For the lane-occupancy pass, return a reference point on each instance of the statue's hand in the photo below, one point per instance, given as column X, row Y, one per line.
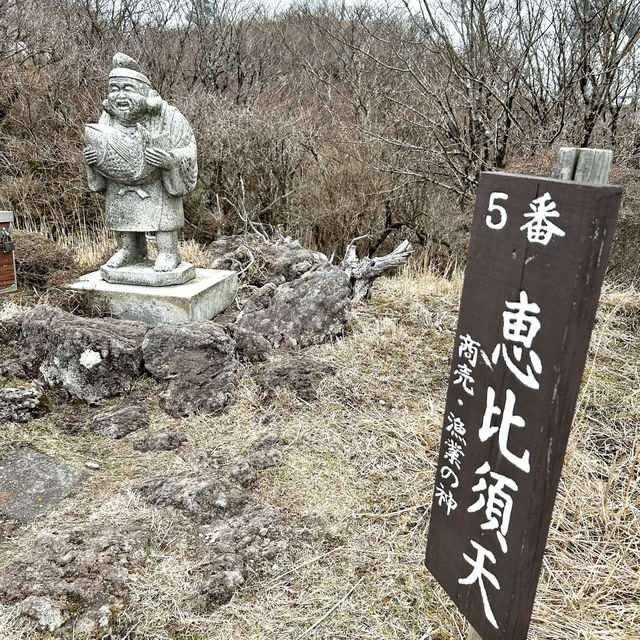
column 159, row 158
column 90, row 155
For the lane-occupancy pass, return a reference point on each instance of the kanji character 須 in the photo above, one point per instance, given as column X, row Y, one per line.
column 497, row 503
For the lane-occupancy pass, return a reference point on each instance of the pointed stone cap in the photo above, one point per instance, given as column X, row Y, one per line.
column 124, row 66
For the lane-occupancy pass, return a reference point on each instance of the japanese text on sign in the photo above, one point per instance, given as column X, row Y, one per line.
column 536, row 262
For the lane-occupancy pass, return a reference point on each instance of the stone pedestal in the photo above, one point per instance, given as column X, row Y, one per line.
column 200, row 299
column 144, row 274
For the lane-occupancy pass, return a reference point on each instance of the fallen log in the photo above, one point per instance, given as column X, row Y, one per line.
column 363, row 271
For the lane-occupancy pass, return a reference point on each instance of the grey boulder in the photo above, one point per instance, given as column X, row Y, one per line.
column 16, row 360
column 92, row 358
column 118, row 423
column 19, row 404
column 302, row 312
column 250, row 347
column 197, row 364
column 294, row 262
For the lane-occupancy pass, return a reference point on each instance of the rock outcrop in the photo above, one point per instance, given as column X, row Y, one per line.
column 161, row 441
column 299, row 374
column 119, row 422
column 239, row 535
column 19, row 404
column 17, row 360
column 302, row 312
column 88, row 566
column 196, row 363
column 92, row 358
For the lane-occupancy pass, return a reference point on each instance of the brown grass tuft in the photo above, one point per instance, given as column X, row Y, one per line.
column 356, row 485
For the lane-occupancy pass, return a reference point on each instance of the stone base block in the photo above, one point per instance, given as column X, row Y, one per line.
column 200, row 299
column 144, row 274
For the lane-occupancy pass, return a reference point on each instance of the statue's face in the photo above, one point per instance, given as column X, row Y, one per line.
column 127, row 99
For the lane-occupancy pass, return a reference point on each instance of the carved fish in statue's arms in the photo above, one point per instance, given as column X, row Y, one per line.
column 120, row 157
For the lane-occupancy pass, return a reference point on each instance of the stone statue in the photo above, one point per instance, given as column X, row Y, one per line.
column 142, row 153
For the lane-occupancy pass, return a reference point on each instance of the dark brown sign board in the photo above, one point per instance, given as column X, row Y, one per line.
column 537, row 258
column 7, row 258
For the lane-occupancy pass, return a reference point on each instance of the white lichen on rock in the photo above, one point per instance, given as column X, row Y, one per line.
column 90, row 358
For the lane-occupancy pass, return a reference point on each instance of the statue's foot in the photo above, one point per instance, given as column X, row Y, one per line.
column 121, row 258
column 166, row 261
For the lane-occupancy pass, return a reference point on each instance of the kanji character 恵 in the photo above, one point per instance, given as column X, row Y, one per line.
column 532, row 368
column 520, row 325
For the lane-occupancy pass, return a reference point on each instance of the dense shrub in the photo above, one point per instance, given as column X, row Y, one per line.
column 42, row 263
column 326, row 121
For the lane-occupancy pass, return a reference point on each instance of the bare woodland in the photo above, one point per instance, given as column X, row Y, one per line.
column 328, row 121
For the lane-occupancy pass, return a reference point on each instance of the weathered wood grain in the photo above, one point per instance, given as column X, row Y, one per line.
column 590, row 166
column 563, row 278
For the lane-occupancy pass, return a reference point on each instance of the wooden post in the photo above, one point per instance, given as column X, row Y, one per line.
column 473, row 634
column 590, row 166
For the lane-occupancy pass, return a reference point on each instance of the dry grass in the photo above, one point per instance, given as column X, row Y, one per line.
column 358, row 471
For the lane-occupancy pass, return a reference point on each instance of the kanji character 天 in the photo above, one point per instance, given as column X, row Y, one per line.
column 478, row 574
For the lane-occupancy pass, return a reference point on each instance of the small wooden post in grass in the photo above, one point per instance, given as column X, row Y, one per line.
column 473, row 635
column 587, row 166
column 536, row 263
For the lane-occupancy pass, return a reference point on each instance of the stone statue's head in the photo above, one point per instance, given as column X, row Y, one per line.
column 131, row 97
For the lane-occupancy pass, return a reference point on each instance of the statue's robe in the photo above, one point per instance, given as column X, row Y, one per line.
column 155, row 202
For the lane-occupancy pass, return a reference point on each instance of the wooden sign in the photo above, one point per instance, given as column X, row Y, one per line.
column 537, row 258
column 7, row 257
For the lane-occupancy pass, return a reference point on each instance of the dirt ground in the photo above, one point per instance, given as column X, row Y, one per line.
column 353, row 489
